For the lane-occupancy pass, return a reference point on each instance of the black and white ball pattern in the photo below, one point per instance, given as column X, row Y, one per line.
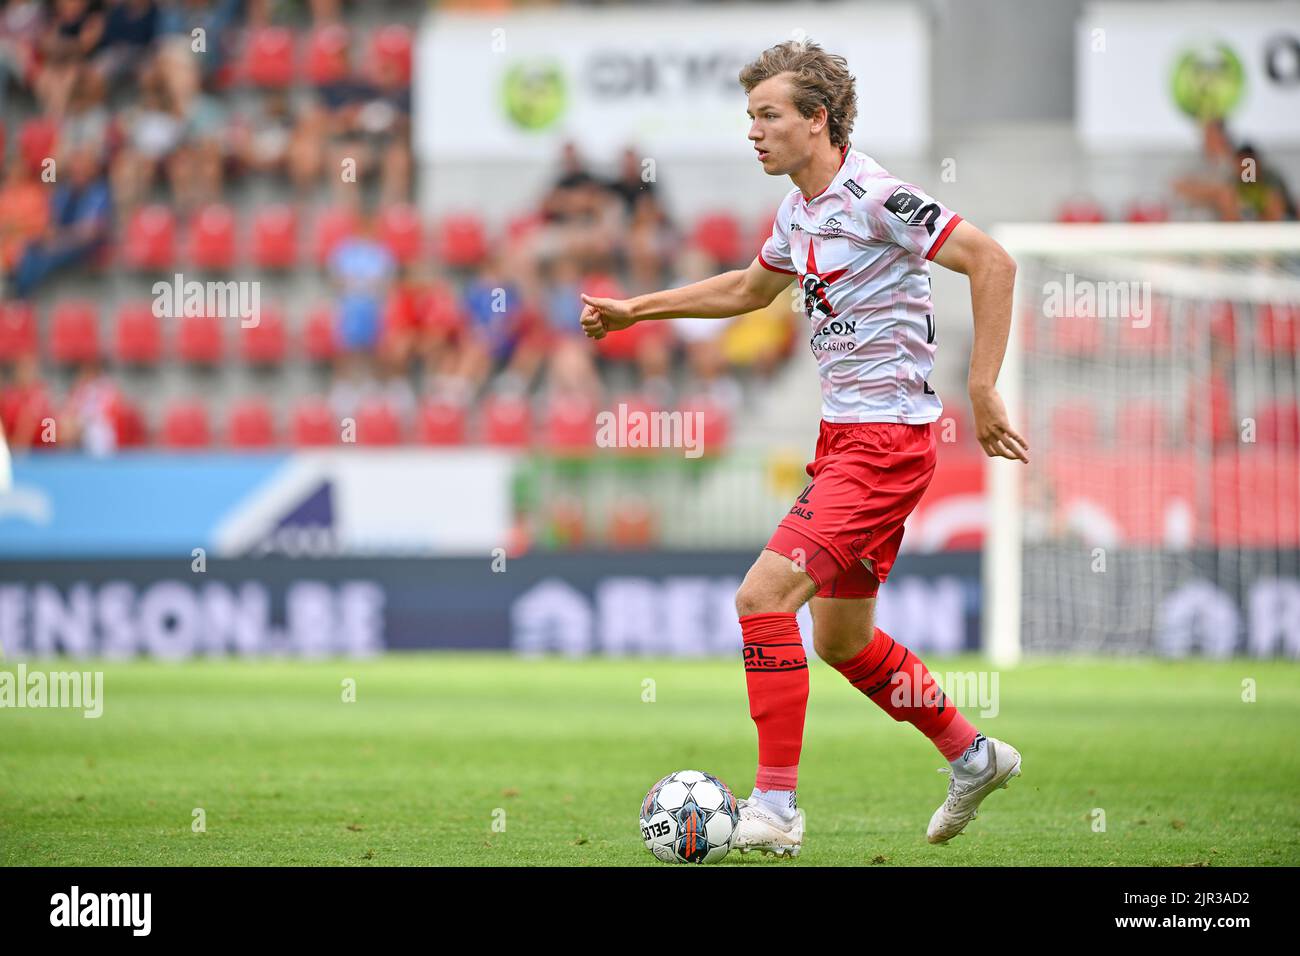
column 689, row 817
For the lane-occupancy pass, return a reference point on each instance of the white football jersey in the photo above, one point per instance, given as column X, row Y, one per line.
column 860, row 250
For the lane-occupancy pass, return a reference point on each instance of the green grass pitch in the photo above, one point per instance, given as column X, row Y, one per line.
column 472, row 759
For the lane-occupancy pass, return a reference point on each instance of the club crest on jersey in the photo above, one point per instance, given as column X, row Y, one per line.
column 816, row 303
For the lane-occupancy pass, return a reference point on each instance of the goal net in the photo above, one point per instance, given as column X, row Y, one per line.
column 1155, row 372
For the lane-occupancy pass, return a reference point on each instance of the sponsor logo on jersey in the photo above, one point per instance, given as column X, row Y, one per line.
column 831, row 228
column 903, row 204
column 854, row 188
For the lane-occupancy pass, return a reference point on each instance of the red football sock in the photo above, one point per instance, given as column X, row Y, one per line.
column 776, row 676
column 898, row 682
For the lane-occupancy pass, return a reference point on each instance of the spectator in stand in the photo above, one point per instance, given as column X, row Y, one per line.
column 571, row 366
column 24, row 212
column 701, row 340
column 582, row 218
column 361, row 269
column 26, row 405
column 1262, row 195
column 263, row 140
column 87, row 123
column 130, row 28
column 501, row 329
column 650, row 244
column 80, row 222
column 177, row 22
column 90, row 415
column 633, row 181
column 1233, row 182
column 71, row 36
column 21, row 27
column 154, row 130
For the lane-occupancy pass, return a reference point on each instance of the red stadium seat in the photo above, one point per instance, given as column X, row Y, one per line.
column 251, row 424
column 74, row 332
column 522, row 225
column 17, row 330
column 570, row 425
column 762, row 232
column 1074, row 426
column 319, row 342
column 212, row 238
column 198, row 340
column 327, row 54
column 150, row 241
column 332, row 226
column 462, row 241
column 185, row 425
column 264, row 343
column 268, row 59
column 1210, row 413
column 1141, row 211
column 38, row 140
column 1150, row 331
column 718, row 234
column 314, row 424
column 392, row 45
column 400, row 231
column 1142, row 424
column 1278, row 423
column 1081, row 211
column 442, row 422
column 129, row 424
column 716, row 423
column 275, row 237
column 137, row 336
column 1278, row 328
column 378, row 424
column 506, row 421
column 1223, row 323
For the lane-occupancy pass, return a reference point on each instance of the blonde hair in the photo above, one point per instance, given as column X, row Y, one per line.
column 817, row 79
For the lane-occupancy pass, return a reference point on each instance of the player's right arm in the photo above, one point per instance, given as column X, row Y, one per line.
column 719, row 297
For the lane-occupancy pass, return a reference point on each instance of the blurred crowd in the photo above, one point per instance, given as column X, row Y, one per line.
column 132, row 103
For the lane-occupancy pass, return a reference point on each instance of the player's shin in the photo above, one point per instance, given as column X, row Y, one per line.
column 899, row 683
column 776, row 676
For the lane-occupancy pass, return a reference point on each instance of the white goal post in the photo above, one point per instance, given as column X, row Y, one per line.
column 1133, row 350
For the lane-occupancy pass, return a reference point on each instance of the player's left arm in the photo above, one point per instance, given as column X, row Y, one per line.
column 992, row 274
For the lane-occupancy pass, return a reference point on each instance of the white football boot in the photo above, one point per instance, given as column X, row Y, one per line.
column 762, row 829
column 965, row 796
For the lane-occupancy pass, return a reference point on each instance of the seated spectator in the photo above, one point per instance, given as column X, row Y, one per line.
column 1263, row 195
column 91, row 413
column 26, row 405
column 500, row 329
column 701, row 339
column 21, row 27
column 87, row 123
column 71, row 36
column 24, row 212
column 130, row 27
column 262, row 139
column 361, row 269
column 176, row 24
column 154, row 130
column 80, row 222
column 632, row 182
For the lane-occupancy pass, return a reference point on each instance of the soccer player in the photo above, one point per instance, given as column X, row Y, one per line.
column 858, row 241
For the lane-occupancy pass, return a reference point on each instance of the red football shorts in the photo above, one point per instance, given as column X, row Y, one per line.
column 846, row 526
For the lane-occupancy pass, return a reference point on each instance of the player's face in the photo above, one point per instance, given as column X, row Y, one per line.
column 780, row 135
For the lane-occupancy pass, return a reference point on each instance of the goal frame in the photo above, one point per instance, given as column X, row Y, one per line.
column 1002, row 567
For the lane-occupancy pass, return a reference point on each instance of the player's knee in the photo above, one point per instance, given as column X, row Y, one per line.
column 751, row 598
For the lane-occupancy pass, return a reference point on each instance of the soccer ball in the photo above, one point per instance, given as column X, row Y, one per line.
column 689, row 817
